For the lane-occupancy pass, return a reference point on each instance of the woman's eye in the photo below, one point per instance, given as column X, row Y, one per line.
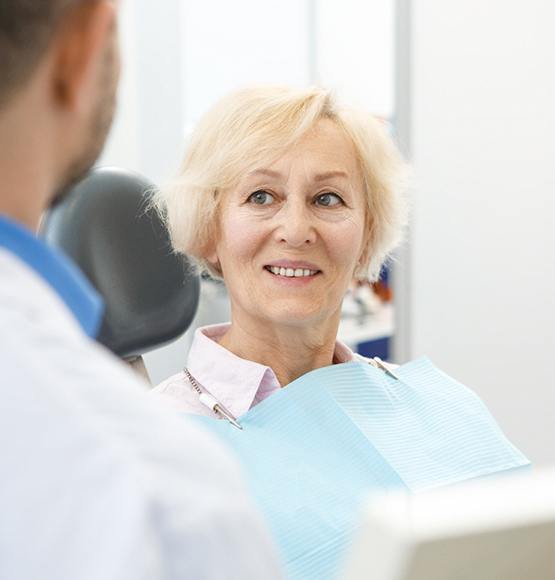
column 261, row 197
column 328, row 199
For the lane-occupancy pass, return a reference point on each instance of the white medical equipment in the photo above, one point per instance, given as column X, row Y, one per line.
column 493, row 529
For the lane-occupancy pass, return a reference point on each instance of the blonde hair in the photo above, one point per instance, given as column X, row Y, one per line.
column 251, row 126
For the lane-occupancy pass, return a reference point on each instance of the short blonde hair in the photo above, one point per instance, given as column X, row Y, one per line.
column 254, row 125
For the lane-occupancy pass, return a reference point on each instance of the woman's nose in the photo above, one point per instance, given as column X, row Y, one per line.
column 296, row 227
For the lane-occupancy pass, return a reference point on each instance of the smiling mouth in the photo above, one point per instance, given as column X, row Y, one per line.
column 291, row 272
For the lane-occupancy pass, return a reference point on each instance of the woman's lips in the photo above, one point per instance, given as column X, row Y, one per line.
column 291, row 272
column 294, row 264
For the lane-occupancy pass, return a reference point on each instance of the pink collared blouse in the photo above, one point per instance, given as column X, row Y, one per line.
column 237, row 383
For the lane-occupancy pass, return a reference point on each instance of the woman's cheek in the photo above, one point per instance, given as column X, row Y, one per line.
column 241, row 234
column 346, row 239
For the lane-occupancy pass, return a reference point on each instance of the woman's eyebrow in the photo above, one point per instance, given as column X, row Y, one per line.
column 263, row 171
column 317, row 177
column 330, row 174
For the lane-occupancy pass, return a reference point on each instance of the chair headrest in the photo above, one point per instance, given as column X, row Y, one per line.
column 105, row 225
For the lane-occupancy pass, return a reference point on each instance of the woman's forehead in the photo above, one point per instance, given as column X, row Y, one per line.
column 323, row 153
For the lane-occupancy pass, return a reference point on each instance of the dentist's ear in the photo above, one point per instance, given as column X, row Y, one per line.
column 79, row 53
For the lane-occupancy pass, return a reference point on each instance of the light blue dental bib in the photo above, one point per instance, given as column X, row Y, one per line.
column 314, row 450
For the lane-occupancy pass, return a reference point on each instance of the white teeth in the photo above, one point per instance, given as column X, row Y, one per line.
column 290, row 272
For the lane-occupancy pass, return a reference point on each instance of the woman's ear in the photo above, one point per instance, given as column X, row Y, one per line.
column 211, row 256
column 209, row 251
column 363, row 259
column 364, row 256
column 213, row 260
column 210, row 247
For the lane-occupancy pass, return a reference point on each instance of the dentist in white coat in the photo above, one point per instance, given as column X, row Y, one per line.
column 95, row 482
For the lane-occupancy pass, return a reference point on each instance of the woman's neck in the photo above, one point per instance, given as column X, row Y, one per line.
column 290, row 351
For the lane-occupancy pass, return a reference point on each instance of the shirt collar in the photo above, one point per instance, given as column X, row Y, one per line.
column 236, row 382
column 58, row 271
column 232, row 380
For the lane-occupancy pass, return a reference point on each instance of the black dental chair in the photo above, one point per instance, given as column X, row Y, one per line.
column 105, row 225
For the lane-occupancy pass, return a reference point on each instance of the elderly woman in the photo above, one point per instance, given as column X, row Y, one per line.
column 287, row 196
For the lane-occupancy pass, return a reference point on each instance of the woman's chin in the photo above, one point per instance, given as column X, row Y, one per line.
column 296, row 313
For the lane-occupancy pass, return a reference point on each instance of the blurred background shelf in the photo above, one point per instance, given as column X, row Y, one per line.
column 370, row 335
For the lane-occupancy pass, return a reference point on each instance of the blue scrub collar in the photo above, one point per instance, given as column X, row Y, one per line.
column 58, row 271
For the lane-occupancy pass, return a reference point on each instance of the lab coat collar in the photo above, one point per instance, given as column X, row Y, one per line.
column 235, row 382
column 57, row 270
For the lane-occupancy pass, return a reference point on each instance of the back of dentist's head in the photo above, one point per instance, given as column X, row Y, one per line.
column 27, row 28
column 60, row 66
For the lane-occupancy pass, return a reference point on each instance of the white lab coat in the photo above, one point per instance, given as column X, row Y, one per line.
column 96, row 481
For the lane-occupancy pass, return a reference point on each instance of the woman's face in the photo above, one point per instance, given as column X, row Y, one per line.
column 293, row 232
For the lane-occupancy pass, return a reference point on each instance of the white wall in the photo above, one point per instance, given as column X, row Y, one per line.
column 147, row 135
column 122, row 146
column 229, row 45
column 354, row 51
column 482, row 134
